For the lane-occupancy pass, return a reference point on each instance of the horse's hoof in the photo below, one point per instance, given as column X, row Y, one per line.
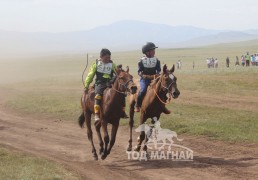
column 137, row 148
column 129, row 148
column 101, row 151
column 103, row 157
column 148, row 156
column 95, row 156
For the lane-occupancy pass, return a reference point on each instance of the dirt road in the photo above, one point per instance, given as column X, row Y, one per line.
column 67, row 144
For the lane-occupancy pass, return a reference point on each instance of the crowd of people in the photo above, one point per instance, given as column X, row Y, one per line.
column 212, row 63
column 247, row 59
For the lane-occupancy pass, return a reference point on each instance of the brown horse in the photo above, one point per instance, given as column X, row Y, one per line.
column 154, row 102
column 110, row 112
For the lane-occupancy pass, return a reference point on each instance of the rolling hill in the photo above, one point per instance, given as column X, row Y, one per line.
column 122, row 35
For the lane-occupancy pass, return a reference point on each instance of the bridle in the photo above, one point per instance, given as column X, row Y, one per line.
column 168, row 86
column 125, row 85
column 166, row 90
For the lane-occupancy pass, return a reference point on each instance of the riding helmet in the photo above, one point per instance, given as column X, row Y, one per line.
column 148, row 46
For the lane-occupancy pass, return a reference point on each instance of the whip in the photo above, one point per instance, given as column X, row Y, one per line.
column 85, row 70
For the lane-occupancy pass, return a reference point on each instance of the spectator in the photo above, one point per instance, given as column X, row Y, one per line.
column 253, row 60
column 193, row 64
column 216, row 63
column 256, row 59
column 227, row 62
column 243, row 60
column 237, row 61
column 247, row 59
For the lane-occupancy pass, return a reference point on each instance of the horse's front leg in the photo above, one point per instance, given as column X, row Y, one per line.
column 147, row 138
column 142, row 135
column 90, row 134
column 131, row 124
column 140, row 140
column 113, row 136
column 106, row 139
column 101, row 143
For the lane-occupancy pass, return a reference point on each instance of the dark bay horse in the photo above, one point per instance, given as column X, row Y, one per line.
column 154, row 102
column 110, row 112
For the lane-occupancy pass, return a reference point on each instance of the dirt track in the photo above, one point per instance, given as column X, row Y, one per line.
column 67, row 144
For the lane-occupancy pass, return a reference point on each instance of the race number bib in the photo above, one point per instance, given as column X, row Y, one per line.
column 149, row 62
column 104, row 68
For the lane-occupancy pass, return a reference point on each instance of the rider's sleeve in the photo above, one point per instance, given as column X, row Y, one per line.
column 114, row 67
column 140, row 67
column 158, row 69
column 90, row 75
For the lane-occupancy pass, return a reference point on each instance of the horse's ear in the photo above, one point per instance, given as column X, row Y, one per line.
column 165, row 68
column 172, row 69
column 127, row 69
column 118, row 71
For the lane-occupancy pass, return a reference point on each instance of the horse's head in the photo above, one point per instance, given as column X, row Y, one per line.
column 168, row 81
column 125, row 81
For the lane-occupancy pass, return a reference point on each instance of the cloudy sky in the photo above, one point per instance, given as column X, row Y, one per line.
column 76, row 15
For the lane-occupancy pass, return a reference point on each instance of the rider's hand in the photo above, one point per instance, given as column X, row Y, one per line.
column 155, row 76
column 147, row 76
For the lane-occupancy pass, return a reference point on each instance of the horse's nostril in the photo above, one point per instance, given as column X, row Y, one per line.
column 174, row 94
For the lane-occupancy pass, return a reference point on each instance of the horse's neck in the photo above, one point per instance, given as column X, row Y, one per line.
column 159, row 94
column 112, row 98
column 115, row 91
column 116, row 86
column 157, row 87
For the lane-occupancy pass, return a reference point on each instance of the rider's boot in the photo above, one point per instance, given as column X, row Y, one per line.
column 97, row 107
column 138, row 103
column 124, row 115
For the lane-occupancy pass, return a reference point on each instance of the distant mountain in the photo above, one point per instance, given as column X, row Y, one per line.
column 223, row 37
column 123, row 35
column 252, row 31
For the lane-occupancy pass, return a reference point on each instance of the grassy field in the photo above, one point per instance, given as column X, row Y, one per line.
column 219, row 103
column 14, row 165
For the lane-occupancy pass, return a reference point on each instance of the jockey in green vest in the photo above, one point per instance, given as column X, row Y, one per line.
column 103, row 68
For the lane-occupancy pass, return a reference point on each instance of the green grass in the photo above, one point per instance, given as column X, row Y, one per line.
column 19, row 166
column 213, row 122
column 58, row 103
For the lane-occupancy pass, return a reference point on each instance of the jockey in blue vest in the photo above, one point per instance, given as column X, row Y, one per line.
column 148, row 69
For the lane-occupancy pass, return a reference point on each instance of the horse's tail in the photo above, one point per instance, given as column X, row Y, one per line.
column 81, row 120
